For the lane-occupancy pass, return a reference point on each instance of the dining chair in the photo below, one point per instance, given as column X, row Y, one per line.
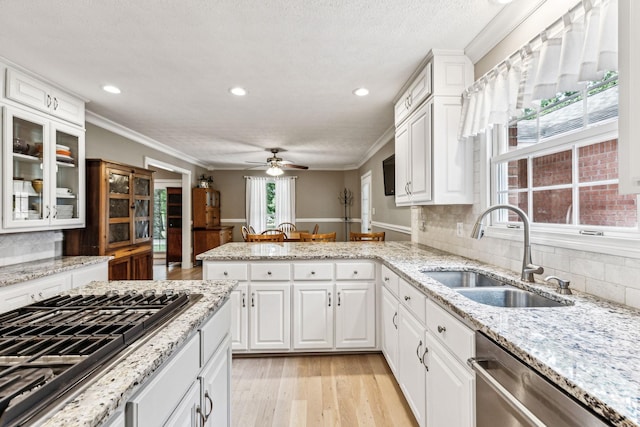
column 286, row 227
column 252, row 230
column 274, row 231
column 265, row 237
column 245, row 233
column 366, row 237
column 315, row 229
column 325, row 237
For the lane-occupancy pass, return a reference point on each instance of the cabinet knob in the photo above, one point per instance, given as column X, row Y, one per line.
column 355, row 272
column 40, row 294
column 268, row 273
column 313, row 273
column 386, row 279
column 441, row 329
column 407, row 298
column 225, row 273
column 33, row 297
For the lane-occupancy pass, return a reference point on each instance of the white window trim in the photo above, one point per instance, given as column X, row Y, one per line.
column 618, row 242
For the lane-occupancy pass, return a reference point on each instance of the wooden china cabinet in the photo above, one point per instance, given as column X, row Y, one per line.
column 119, row 219
column 207, row 231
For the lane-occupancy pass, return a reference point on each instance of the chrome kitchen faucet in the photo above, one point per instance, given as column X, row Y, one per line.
column 528, row 268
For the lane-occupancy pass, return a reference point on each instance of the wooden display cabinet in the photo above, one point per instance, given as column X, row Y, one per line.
column 174, row 224
column 207, row 231
column 119, row 219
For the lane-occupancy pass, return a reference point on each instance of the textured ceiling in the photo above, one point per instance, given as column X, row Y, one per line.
column 300, row 60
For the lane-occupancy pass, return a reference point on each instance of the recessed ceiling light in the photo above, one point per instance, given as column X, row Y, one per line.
column 502, row 1
column 361, row 91
column 238, row 91
column 111, row 89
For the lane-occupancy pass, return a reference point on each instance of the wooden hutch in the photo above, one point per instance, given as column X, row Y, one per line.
column 207, row 231
column 119, row 219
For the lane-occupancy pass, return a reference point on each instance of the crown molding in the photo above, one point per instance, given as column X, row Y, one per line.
column 123, row 131
column 507, row 20
column 380, row 142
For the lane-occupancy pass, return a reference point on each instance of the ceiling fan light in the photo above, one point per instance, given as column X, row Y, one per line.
column 274, row 170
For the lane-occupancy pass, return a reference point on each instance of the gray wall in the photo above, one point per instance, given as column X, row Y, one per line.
column 103, row 144
column 385, row 206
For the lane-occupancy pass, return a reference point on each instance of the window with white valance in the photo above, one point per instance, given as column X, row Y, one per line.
column 270, row 201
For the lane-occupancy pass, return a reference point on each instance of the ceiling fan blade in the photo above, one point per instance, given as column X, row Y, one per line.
column 292, row 166
column 257, row 163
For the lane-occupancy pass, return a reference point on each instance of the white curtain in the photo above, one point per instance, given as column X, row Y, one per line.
column 585, row 48
column 256, row 203
column 285, row 200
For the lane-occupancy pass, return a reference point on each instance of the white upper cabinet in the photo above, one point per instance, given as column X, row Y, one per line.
column 432, row 166
column 33, row 93
column 629, row 125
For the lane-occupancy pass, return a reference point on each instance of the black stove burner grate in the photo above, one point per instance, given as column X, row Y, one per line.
column 49, row 346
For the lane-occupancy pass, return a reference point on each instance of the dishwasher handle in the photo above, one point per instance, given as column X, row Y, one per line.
column 504, row 393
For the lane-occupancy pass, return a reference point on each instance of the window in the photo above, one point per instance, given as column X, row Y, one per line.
column 558, row 162
column 269, row 202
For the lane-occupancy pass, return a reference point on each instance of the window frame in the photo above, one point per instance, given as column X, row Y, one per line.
column 615, row 240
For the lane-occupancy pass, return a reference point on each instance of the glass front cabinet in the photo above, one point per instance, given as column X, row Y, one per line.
column 43, row 172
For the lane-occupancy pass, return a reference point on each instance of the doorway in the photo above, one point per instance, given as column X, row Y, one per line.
column 365, row 203
column 160, row 217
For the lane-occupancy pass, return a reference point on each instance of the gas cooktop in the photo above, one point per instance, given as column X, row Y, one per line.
column 51, row 346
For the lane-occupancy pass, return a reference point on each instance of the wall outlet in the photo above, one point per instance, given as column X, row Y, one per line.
column 459, row 228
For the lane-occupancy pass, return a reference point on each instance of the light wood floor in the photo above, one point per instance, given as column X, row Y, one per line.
column 331, row 390
column 308, row 391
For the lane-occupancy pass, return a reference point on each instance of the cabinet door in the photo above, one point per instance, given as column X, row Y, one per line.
column 313, row 315
column 450, row 388
column 355, row 315
column 270, row 316
column 142, row 265
column 68, row 175
column 119, row 208
column 421, row 87
column 120, row 269
column 401, row 108
column 186, row 414
column 412, row 377
column 28, row 91
column 215, row 381
column 26, row 170
column 389, row 312
column 402, row 165
column 142, row 198
column 420, row 154
column 240, row 317
column 67, row 107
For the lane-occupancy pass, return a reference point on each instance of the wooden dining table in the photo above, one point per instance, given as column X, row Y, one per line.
column 294, row 236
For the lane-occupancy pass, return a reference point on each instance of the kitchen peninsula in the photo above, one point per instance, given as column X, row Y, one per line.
column 587, row 347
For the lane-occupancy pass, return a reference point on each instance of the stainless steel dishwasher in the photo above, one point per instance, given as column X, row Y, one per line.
column 511, row 394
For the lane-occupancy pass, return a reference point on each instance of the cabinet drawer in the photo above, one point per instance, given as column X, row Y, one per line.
column 270, row 271
column 219, row 271
column 355, row 271
column 313, row 271
column 213, row 332
column 413, row 299
column 455, row 336
column 390, row 280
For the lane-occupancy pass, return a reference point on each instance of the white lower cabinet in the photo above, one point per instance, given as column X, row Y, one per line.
column 355, row 315
column 389, row 322
column 450, row 388
column 240, row 317
column 186, row 414
column 411, row 371
column 215, row 381
column 270, row 316
column 313, row 306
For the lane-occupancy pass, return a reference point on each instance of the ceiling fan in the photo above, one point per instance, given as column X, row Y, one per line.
column 276, row 164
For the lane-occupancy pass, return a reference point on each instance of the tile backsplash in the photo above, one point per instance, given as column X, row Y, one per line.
column 23, row 247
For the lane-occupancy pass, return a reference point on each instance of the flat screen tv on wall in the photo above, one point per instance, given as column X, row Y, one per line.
column 389, row 175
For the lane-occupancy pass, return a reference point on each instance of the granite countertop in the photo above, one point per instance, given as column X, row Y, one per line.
column 589, row 348
column 16, row 273
column 112, row 388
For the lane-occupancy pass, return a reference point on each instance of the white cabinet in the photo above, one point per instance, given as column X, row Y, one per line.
column 432, row 166
column 41, row 96
column 419, row 90
column 355, row 315
column 628, row 123
column 313, row 306
column 389, row 322
column 450, row 388
column 186, row 414
column 270, row 316
column 215, row 387
column 43, row 173
column 411, row 349
column 240, row 317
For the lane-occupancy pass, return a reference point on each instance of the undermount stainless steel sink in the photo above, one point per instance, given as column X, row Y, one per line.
column 508, row 296
column 464, row 279
column 484, row 289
